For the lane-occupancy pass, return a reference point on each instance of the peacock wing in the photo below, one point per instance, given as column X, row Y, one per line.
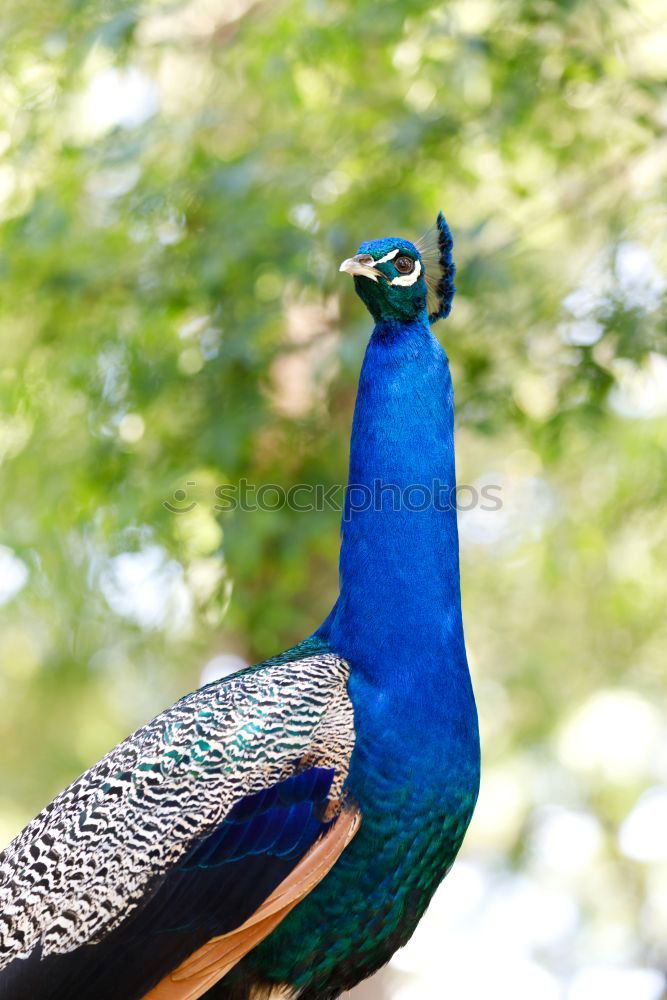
column 178, row 835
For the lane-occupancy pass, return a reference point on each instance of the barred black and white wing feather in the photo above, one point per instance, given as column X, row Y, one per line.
column 177, row 835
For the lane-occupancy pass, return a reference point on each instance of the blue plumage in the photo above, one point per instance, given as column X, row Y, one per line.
column 415, row 768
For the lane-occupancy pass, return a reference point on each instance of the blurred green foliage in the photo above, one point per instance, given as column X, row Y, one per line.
column 178, row 183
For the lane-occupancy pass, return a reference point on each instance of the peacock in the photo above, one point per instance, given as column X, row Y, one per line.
column 281, row 831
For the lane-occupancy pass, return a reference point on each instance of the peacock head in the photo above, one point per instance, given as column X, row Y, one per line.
column 397, row 280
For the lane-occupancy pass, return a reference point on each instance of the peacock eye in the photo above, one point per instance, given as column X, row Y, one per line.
column 404, row 264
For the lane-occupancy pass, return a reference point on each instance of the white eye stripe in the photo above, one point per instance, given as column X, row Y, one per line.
column 388, row 256
column 408, row 279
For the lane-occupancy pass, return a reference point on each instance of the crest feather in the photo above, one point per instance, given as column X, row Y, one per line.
column 435, row 248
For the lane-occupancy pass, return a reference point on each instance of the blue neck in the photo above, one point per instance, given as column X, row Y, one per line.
column 398, row 616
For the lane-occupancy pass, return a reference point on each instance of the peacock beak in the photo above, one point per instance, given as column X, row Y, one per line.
column 362, row 264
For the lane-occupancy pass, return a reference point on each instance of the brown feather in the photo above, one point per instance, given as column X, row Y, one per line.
column 213, row 960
